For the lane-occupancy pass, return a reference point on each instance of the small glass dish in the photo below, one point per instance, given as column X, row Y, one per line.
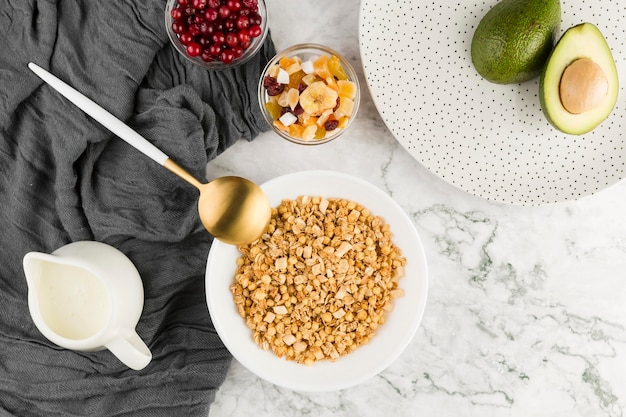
column 306, row 65
column 217, row 63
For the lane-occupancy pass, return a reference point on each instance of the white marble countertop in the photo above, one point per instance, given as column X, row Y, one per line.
column 526, row 312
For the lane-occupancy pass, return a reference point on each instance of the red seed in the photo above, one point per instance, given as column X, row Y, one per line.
column 217, row 29
column 227, row 56
column 176, row 13
column 194, row 49
column 255, row 31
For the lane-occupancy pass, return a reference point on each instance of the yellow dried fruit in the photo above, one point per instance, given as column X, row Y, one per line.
column 336, row 69
column 317, row 98
column 346, row 89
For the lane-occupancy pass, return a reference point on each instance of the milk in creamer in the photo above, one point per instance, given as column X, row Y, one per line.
column 73, row 302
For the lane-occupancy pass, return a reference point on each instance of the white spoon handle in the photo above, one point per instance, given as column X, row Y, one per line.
column 101, row 115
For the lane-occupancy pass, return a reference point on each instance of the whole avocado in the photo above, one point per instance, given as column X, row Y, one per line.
column 514, row 39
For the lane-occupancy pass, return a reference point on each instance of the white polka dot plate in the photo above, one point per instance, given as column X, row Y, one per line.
column 487, row 139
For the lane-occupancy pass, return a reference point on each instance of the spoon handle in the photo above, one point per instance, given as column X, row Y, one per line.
column 101, row 115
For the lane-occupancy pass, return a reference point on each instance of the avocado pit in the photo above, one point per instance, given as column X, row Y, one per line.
column 583, row 86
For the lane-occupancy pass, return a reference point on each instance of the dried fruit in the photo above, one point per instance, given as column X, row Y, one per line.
column 331, row 124
column 314, row 89
column 318, row 98
column 272, row 86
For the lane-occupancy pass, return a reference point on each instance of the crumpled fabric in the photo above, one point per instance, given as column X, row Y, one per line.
column 65, row 178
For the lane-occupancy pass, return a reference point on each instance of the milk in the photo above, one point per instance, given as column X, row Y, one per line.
column 74, row 303
column 88, row 296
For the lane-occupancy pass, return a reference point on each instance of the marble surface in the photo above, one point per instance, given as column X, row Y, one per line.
column 526, row 312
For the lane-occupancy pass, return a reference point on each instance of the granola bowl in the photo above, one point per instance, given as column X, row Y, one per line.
column 368, row 359
column 309, row 94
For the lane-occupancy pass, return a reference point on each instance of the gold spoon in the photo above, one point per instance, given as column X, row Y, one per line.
column 233, row 209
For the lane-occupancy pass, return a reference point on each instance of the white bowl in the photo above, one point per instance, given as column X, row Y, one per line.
column 366, row 361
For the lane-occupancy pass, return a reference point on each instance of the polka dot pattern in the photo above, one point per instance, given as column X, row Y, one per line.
column 487, row 139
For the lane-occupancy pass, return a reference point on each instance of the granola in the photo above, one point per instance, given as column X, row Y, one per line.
column 318, row 283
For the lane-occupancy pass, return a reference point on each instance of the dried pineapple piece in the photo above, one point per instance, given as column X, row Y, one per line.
column 292, row 96
column 322, row 68
column 345, row 108
column 347, row 89
column 334, row 65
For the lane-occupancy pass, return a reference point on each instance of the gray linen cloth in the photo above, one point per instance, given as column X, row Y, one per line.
column 65, row 178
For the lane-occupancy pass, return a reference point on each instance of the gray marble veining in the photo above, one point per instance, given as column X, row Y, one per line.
column 526, row 312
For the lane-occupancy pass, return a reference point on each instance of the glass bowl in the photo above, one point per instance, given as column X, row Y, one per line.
column 306, row 65
column 216, row 63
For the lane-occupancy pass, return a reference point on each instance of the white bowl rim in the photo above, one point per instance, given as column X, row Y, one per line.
column 368, row 360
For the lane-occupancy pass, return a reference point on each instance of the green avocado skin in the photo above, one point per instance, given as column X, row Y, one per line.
column 514, row 39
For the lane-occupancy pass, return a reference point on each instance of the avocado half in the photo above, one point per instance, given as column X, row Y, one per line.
column 582, row 43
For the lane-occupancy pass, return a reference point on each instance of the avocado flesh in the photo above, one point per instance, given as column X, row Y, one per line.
column 580, row 41
column 514, row 39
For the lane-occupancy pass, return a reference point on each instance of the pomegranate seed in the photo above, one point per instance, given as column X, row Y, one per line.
column 227, row 56
column 231, row 39
column 237, row 51
column 199, row 4
column 255, row 31
column 255, row 19
column 211, row 14
column 194, row 29
column 215, row 50
column 206, row 56
column 185, row 38
column 218, row 29
column 194, row 49
column 229, row 25
column 242, row 22
column 176, row 13
column 224, row 12
column 219, row 38
column 205, row 28
column 233, row 5
column 243, row 36
column 179, row 27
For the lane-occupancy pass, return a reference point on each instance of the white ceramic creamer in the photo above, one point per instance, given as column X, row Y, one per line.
column 88, row 296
